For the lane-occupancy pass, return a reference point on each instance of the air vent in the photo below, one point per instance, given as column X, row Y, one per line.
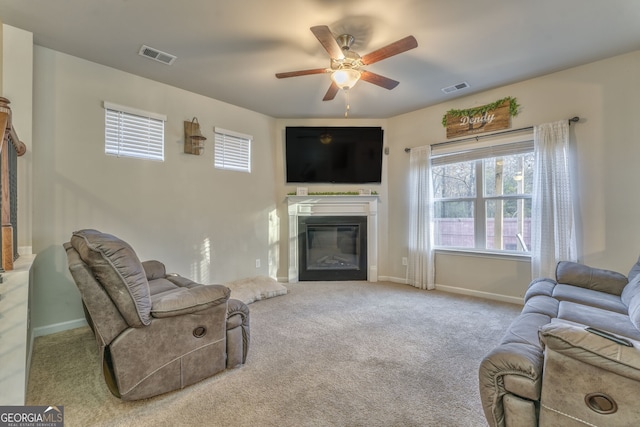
column 156, row 55
column 454, row 88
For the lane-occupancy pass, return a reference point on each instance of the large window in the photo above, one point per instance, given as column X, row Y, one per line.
column 130, row 132
column 482, row 198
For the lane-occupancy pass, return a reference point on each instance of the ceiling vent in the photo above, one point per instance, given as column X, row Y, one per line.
column 454, row 88
column 156, row 55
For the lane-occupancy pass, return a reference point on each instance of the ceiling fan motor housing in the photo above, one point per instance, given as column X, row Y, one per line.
column 345, row 41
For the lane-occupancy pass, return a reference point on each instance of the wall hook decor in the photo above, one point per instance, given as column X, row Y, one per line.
column 193, row 138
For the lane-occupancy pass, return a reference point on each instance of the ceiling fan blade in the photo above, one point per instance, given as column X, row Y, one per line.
column 325, row 37
column 331, row 93
column 301, row 73
column 379, row 80
column 394, row 48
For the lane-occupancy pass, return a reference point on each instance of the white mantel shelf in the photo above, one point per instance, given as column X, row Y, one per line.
column 334, row 205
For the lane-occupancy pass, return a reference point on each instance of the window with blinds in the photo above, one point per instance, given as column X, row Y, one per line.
column 232, row 150
column 130, row 132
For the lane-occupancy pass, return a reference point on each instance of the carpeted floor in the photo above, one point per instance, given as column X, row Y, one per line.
column 325, row 354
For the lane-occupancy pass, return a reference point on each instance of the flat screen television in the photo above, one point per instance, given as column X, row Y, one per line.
column 338, row 155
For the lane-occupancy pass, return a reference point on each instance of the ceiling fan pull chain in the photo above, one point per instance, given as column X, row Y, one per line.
column 347, row 106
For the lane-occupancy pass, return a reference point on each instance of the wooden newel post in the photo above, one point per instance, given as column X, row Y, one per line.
column 9, row 136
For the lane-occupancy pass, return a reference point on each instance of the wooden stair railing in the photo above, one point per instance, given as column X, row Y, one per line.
column 10, row 148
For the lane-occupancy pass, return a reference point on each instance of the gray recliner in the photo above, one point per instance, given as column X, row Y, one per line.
column 156, row 332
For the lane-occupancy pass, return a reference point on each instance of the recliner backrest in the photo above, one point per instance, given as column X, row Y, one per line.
column 104, row 317
column 117, row 268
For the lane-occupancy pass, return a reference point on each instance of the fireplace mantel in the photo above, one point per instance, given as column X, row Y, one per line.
column 334, row 206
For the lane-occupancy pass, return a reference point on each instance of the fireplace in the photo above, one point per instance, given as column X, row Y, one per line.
column 332, row 247
column 336, row 236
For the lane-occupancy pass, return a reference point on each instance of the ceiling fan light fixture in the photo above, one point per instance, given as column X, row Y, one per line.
column 345, row 78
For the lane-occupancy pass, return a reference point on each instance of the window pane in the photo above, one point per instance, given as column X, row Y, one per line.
column 508, row 175
column 454, row 180
column 509, row 224
column 454, row 224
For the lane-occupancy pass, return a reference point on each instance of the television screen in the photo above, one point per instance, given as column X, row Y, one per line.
column 340, row 155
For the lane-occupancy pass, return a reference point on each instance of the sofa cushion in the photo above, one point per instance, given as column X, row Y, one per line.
column 590, row 297
column 117, row 267
column 635, row 270
column 634, row 305
column 159, row 286
column 573, row 273
column 631, row 290
column 188, row 300
column 598, row 318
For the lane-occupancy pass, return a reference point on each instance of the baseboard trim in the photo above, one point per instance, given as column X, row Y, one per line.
column 392, row 279
column 58, row 327
column 450, row 289
column 480, row 294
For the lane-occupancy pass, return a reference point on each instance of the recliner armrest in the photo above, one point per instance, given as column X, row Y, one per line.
column 183, row 282
column 154, row 269
column 575, row 342
column 189, row 300
column 597, row 279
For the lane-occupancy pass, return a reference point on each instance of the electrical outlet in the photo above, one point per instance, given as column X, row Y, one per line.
column 257, row 262
column 405, row 261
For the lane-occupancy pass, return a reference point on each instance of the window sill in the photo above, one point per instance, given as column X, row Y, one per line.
column 516, row 256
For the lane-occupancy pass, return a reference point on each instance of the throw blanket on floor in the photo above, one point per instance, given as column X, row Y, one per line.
column 255, row 289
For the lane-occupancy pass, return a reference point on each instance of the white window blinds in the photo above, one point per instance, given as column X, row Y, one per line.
column 232, row 150
column 483, row 153
column 133, row 133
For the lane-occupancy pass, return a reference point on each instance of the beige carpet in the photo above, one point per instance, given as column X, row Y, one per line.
column 325, row 354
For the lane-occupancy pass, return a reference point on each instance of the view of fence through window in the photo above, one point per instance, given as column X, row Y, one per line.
column 484, row 203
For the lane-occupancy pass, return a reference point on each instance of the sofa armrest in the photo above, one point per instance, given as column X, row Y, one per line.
column 597, row 279
column 576, row 342
column 238, row 334
column 509, row 369
column 186, row 300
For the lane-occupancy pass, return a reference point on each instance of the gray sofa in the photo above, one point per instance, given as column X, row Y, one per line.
column 156, row 332
column 572, row 357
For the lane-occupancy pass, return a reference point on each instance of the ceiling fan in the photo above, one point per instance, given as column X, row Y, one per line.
column 346, row 65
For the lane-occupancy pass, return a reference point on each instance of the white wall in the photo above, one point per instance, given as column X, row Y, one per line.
column 204, row 223
column 606, row 145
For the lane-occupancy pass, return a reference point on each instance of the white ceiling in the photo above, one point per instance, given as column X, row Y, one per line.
column 231, row 50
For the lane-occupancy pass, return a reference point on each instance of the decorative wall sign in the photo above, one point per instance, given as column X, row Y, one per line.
column 487, row 118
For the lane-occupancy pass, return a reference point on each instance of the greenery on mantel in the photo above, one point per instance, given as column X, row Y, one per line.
column 336, row 193
column 478, row 111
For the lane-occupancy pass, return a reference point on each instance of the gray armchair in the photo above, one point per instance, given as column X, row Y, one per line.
column 156, row 332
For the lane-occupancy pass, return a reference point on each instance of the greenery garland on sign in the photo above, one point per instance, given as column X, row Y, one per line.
column 478, row 111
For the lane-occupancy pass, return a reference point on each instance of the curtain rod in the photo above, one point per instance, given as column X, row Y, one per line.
column 575, row 119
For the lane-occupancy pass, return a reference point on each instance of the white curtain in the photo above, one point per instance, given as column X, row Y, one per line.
column 421, row 272
column 553, row 236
